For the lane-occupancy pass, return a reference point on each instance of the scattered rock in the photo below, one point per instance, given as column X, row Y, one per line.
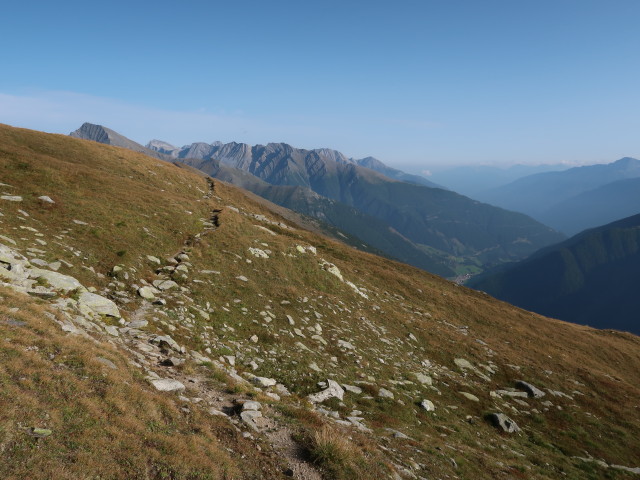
column 46, row 199
column 172, row 362
column 137, row 324
column 164, row 284
column 165, row 341
column 332, row 269
column 154, row 260
column 500, row 420
column 111, row 330
column 352, row 389
column 333, row 390
column 384, row 393
column 106, row 362
column 423, row 379
column 530, row 389
column 168, row 385
column 148, row 293
column 463, row 364
column 251, row 405
column 427, row 405
column 56, row 280
column 258, row 253
column 98, row 304
column 263, row 382
column 470, row 396
column 11, row 198
column 249, row 417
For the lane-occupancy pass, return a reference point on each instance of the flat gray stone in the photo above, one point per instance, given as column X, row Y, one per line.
column 464, row 364
column 137, row 324
column 470, row 396
column 111, row 330
column 57, row 281
column 98, row 304
column 11, row 198
column 530, row 389
column 352, row 389
column 168, row 385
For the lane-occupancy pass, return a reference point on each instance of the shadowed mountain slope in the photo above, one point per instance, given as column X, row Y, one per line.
column 538, row 195
column 590, row 279
column 611, row 202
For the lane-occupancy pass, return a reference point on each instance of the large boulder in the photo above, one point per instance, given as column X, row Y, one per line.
column 500, row 420
column 333, row 390
column 98, row 304
column 56, row 281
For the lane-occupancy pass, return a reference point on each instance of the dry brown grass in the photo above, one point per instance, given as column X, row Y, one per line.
column 106, row 423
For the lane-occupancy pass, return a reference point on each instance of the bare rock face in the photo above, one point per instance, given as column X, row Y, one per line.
column 333, row 390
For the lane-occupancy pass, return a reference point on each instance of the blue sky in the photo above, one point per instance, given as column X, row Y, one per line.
column 413, row 83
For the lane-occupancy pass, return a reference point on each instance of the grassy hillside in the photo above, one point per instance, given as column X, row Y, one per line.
column 589, row 279
column 261, row 310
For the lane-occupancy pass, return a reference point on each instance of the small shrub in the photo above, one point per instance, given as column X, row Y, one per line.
column 331, row 450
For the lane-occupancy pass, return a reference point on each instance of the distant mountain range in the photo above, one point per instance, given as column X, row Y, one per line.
column 432, row 228
column 574, row 199
column 238, row 154
column 591, row 278
column 472, row 180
